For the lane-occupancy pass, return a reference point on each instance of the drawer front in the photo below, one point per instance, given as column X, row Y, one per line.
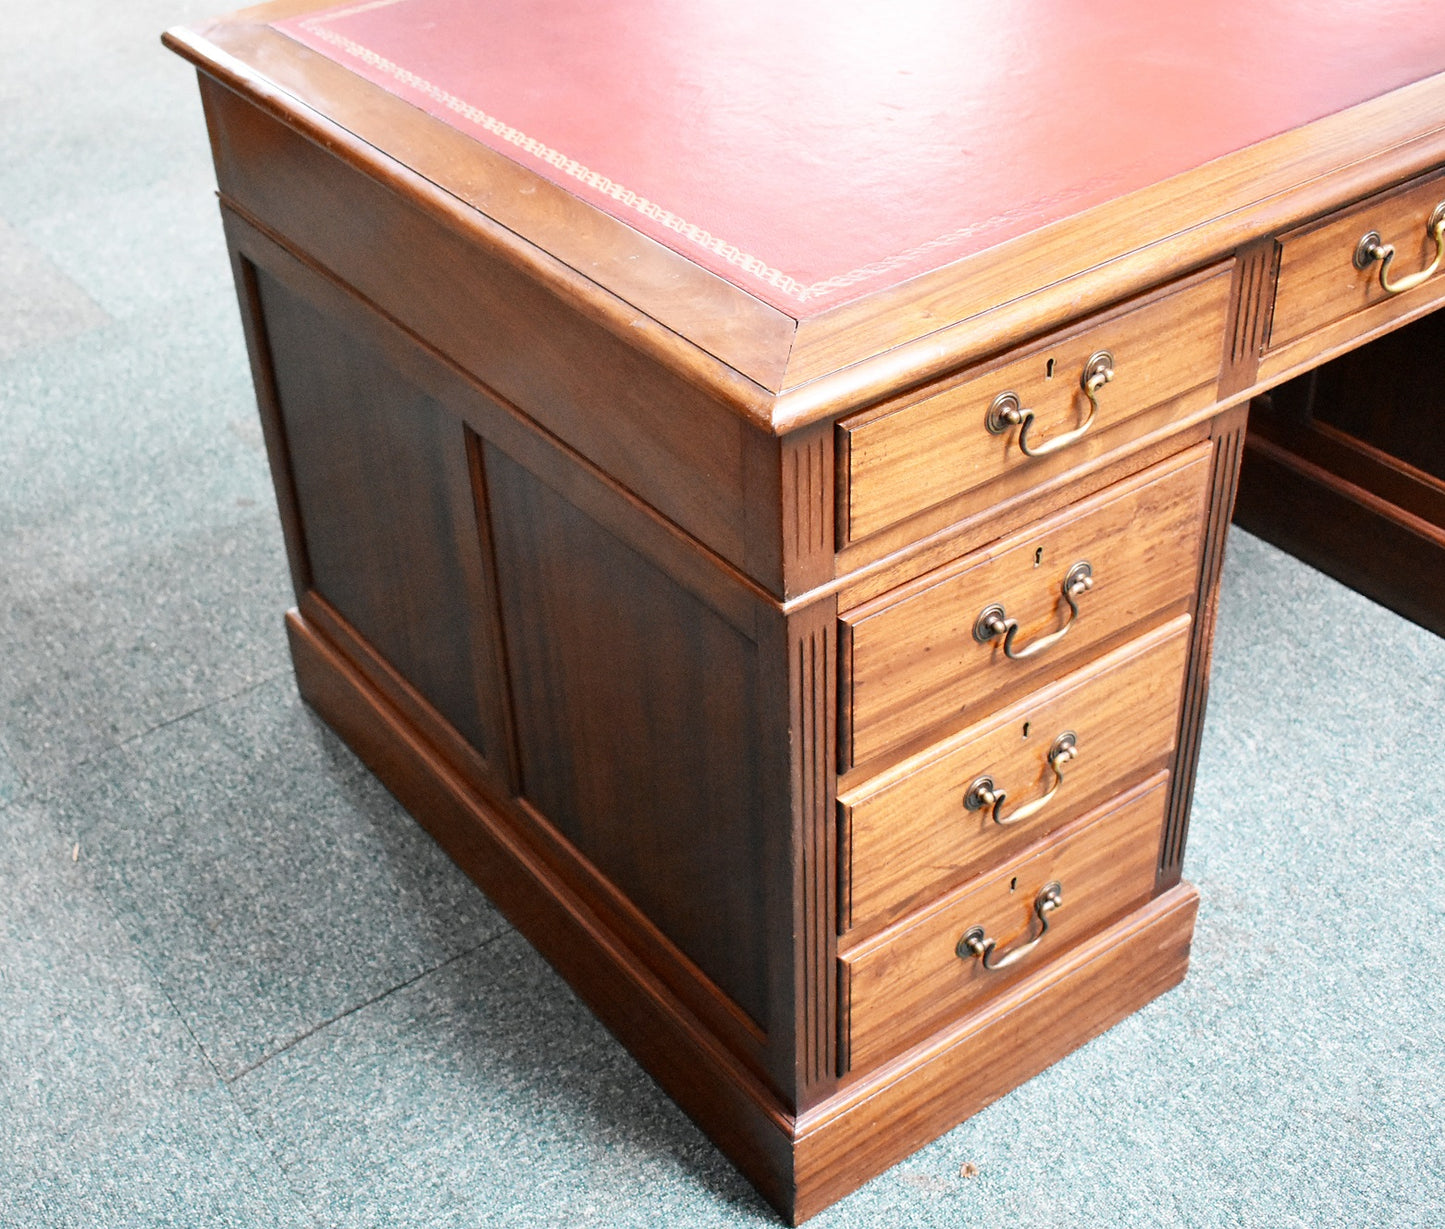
column 902, row 462
column 1320, row 282
column 912, row 981
column 925, row 827
column 913, row 659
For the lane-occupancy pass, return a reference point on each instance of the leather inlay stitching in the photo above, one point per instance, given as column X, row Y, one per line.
column 598, row 182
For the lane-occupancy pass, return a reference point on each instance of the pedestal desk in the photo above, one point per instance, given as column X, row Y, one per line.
column 755, row 480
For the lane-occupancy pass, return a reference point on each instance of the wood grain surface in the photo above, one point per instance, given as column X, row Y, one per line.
column 1227, row 433
column 909, row 980
column 907, row 835
column 636, row 709
column 916, row 456
column 912, row 661
column 880, row 1119
column 652, row 430
column 901, row 553
column 572, row 518
column 384, row 495
column 1318, row 280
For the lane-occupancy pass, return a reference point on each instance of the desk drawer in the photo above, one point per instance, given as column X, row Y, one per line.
column 1321, row 283
column 912, row 980
column 904, row 461
column 913, row 660
column 916, row 831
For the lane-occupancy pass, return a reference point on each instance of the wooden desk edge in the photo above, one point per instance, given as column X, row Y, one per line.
column 782, row 374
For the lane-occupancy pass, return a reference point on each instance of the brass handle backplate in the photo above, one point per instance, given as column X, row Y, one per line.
column 976, row 943
column 1371, row 249
column 1007, row 410
column 983, row 793
column 993, row 620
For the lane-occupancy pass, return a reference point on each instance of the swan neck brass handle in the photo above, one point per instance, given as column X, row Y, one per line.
column 1007, row 410
column 1371, row 249
column 982, row 793
column 976, row 943
column 993, row 620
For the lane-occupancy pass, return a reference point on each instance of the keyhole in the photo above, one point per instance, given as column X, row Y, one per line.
column 1049, row 370
column 1038, row 556
column 1013, row 884
column 1026, row 728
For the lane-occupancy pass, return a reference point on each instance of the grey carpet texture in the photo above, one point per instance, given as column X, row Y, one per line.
column 240, row 987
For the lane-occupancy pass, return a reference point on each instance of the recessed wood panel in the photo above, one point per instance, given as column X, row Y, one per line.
column 384, row 494
column 909, row 834
column 914, row 660
column 911, row 980
column 637, row 727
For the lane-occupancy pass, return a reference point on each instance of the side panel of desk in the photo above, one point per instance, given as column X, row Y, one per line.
column 614, row 691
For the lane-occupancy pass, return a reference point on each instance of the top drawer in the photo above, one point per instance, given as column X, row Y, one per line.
column 909, row 459
column 1323, row 280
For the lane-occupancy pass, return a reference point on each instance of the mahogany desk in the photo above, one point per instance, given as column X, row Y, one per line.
column 755, row 479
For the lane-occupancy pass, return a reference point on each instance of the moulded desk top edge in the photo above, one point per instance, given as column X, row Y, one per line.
column 777, row 372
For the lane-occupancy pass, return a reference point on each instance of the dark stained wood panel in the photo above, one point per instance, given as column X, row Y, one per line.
column 1389, row 395
column 637, row 720
column 384, row 494
column 1345, row 468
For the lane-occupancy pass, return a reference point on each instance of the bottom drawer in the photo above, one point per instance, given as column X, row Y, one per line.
column 917, row 976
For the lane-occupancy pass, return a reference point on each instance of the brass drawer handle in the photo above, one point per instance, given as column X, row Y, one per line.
column 1370, row 249
column 975, row 941
column 982, row 792
column 994, row 621
column 1007, row 411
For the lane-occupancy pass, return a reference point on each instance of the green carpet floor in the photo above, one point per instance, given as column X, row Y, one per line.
column 239, row 987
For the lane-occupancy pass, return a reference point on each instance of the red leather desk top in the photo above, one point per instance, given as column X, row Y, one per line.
column 816, row 151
